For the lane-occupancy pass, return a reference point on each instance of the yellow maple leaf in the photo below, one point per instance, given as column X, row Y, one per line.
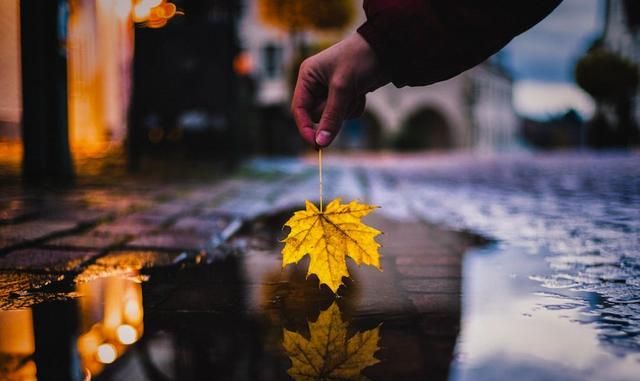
column 329, row 236
column 329, row 355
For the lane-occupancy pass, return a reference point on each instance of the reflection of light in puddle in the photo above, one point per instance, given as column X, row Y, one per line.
column 133, row 311
column 127, row 334
column 510, row 326
column 106, row 353
column 16, row 345
column 110, row 319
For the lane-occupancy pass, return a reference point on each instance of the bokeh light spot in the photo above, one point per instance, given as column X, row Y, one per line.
column 126, row 334
column 106, row 353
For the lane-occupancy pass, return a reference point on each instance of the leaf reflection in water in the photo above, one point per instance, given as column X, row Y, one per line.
column 329, row 354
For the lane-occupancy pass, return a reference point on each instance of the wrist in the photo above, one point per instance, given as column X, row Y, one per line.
column 373, row 69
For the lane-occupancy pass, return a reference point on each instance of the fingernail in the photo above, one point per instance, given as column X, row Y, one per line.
column 323, row 138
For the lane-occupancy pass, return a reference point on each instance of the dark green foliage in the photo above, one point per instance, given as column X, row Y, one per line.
column 606, row 76
column 612, row 81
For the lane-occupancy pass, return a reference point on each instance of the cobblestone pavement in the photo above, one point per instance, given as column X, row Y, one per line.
column 210, row 255
column 59, row 235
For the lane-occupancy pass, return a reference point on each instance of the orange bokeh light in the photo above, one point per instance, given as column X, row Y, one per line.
column 243, row 64
column 141, row 12
column 154, row 13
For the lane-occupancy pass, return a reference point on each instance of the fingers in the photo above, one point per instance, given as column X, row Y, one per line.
column 302, row 106
column 311, row 105
column 335, row 112
column 355, row 109
column 316, row 114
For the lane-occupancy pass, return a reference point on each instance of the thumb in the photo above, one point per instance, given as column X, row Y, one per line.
column 335, row 112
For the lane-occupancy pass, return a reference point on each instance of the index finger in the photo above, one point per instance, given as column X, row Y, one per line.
column 301, row 107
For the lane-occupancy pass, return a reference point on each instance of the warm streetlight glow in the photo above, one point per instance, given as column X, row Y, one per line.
column 17, row 345
column 243, row 64
column 151, row 3
column 169, row 10
column 112, row 316
column 133, row 311
column 90, row 341
column 122, row 8
column 126, row 334
column 141, row 12
column 106, row 353
column 154, row 13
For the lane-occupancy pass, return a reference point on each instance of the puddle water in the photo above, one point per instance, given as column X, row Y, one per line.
column 240, row 317
column 515, row 327
column 72, row 339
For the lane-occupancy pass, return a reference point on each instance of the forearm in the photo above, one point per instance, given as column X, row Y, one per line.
column 420, row 42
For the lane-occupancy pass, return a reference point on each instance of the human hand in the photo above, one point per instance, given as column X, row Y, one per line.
column 331, row 87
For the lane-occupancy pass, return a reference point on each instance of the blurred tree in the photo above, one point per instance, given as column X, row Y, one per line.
column 612, row 81
column 297, row 15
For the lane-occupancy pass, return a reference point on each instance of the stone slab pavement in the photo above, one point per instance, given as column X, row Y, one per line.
column 212, row 255
column 90, row 232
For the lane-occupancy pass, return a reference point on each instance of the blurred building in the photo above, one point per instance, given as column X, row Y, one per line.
column 187, row 93
column 622, row 34
column 10, row 89
column 473, row 110
column 270, row 52
column 183, row 92
column 270, row 55
column 560, row 131
column 99, row 51
column 99, row 43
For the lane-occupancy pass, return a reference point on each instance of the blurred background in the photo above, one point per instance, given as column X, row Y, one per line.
column 511, row 193
column 88, row 86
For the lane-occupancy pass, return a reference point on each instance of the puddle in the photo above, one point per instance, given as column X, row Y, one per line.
column 190, row 324
column 514, row 326
column 236, row 317
column 75, row 338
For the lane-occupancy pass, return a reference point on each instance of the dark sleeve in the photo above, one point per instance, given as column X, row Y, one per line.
column 420, row 42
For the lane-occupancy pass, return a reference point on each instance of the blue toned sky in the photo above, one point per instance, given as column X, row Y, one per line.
column 542, row 59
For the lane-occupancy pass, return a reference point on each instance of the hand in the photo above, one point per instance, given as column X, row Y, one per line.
column 331, row 87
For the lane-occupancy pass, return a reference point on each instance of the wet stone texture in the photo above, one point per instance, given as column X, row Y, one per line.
column 45, row 260
column 216, row 301
column 15, row 291
column 89, row 233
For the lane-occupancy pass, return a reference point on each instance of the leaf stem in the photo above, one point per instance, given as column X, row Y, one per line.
column 320, row 173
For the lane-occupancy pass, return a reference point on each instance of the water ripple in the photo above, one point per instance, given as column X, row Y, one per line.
column 580, row 211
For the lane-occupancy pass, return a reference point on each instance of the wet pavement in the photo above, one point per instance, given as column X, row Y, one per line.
column 184, row 282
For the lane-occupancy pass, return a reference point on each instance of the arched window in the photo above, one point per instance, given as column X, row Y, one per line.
column 425, row 129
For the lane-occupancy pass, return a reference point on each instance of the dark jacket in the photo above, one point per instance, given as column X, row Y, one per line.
column 420, row 42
